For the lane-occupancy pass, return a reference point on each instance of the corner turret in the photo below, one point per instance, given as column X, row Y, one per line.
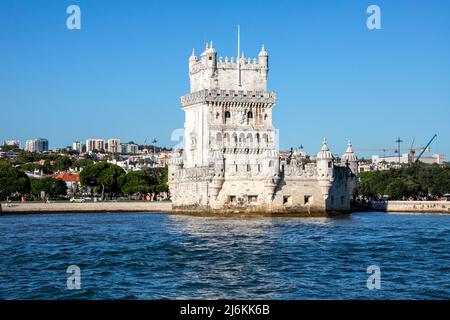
column 349, row 159
column 209, row 56
column 192, row 60
column 263, row 61
column 324, row 162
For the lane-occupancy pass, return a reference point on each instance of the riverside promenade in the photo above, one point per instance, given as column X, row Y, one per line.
column 107, row 206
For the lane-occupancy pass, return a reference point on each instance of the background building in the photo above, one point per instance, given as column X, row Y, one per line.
column 76, row 146
column 114, row 146
column 37, row 145
column 12, row 143
column 129, row 148
column 95, row 145
column 435, row 158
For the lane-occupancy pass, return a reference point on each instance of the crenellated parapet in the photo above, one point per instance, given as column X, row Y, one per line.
column 229, row 64
column 210, row 72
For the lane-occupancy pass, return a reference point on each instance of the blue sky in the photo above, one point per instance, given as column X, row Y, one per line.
column 121, row 75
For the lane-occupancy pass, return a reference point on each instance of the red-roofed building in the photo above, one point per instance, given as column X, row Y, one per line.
column 72, row 181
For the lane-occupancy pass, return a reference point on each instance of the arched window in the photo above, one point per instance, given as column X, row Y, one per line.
column 265, row 139
column 249, row 140
column 241, row 138
column 249, row 168
column 270, row 164
column 234, row 139
column 257, row 138
column 226, row 139
column 227, row 116
column 219, row 139
column 249, row 117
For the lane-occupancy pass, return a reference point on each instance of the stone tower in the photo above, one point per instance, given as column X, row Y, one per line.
column 230, row 161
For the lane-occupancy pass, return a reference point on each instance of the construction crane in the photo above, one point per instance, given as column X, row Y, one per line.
column 412, row 151
column 426, row 147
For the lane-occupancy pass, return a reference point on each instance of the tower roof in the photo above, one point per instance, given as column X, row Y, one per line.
column 324, row 153
column 349, row 155
column 263, row 52
column 209, row 49
column 193, row 56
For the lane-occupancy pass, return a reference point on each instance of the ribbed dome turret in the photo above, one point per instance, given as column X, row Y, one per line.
column 349, row 155
column 263, row 52
column 325, row 153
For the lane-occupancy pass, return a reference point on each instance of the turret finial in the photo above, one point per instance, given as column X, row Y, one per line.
column 263, row 52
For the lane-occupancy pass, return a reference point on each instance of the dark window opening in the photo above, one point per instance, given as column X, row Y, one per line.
column 307, row 199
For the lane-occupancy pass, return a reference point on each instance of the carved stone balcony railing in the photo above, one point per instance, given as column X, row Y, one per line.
column 206, row 95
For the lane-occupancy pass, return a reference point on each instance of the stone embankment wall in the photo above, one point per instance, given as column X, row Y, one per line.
column 418, row 206
column 86, row 207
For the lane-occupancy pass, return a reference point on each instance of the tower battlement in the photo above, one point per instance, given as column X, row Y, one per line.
column 208, row 72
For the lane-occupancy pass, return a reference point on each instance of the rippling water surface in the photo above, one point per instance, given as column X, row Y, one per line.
column 161, row 256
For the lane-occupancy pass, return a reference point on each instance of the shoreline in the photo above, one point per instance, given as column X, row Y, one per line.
column 405, row 207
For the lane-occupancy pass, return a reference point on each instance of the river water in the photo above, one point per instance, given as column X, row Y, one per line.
column 162, row 256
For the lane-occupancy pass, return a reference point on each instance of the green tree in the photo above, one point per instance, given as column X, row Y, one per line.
column 134, row 182
column 51, row 186
column 26, row 157
column 417, row 179
column 62, row 164
column 149, row 180
column 12, row 180
column 103, row 177
column 396, row 189
column 31, row 167
column 81, row 163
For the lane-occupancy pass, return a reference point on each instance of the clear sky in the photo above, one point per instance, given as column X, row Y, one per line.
column 122, row 74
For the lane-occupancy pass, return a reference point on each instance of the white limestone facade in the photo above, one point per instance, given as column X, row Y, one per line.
column 230, row 162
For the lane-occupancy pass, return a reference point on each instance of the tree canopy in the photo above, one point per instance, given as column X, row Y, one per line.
column 103, row 177
column 12, row 180
column 51, row 186
column 149, row 180
column 414, row 180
